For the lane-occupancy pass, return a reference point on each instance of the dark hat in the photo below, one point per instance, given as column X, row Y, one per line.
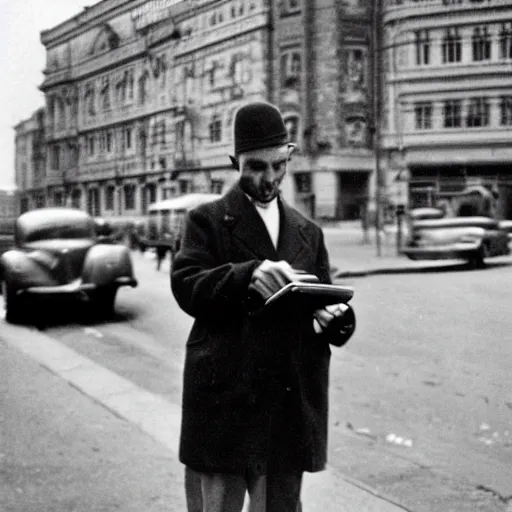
column 258, row 125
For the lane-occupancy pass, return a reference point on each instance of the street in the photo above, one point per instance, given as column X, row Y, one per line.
column 421, row 400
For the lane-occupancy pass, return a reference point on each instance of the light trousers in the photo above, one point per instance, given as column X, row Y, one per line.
column 220, row 492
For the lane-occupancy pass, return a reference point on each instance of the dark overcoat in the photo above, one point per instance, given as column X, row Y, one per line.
column 255, row 390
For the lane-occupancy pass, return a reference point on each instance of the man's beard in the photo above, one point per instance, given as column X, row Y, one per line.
column 263, row 194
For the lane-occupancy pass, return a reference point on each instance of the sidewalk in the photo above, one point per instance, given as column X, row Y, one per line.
column 79, row 437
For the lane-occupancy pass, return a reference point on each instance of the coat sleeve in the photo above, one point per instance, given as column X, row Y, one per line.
column 202, row 282
column 324, row 273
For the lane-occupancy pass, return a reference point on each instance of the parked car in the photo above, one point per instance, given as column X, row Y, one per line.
column 57, row 254
column 472, row 234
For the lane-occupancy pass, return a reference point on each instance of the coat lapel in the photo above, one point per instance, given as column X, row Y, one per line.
column 292, row 237
column 247, row 226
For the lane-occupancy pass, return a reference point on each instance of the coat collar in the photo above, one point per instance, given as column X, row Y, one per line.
column 248, row 227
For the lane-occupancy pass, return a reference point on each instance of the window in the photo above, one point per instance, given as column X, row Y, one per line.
column 184, row 186
column 58, row 199
column 291, row 66
column 452, row 114
column 303, row 182
column 423, row 115
column 110, row 192
column 180, row 134
column 292, row 127
column 506, row 41
column 105, row 93
column 452, row 46
column 55, row 157
column 128, row 137
column 90, row 144
column 216, row 186
column 215, row 128
column 481, row 42
column 422, row 47
column 129, row 197
column 102, row 141
column 506, row 110
column 109, row 141
column 162, row 132
column 478, row 112
column 154, row 134
column 93, row 202
column 76, row 198
column 130, row 84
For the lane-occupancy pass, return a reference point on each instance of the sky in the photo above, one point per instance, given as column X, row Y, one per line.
column 22, row 60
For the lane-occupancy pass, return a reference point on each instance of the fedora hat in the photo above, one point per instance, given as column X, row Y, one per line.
column 258, row 125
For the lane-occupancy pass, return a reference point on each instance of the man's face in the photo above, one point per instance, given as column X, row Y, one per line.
column 262, row 171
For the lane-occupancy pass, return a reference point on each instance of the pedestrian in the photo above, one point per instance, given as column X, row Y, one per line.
column 255, row 386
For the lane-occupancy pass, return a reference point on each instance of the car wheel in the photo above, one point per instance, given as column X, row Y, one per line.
column 102, row 302
column 478, row 260
column 12, row 304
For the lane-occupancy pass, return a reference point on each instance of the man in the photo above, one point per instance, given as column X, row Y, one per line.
column 255, row 381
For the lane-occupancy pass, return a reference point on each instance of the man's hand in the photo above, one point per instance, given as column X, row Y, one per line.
column 271, row 276
column 322, row 318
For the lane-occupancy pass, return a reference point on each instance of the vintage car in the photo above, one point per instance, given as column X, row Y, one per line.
column 470, row 234
column 56, row 254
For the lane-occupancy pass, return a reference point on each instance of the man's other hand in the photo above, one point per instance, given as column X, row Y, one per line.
column 322, row 318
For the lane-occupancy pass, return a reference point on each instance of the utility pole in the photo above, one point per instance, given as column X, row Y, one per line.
column 376, row 59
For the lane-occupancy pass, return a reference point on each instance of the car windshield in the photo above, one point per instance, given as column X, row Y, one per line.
column 75, row 231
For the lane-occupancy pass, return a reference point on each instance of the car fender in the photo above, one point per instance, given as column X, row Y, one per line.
column 22, row 271
column 105, row 263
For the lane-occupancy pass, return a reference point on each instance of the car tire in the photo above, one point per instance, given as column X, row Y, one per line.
column 478, row 259
column 103, row 302
column 12, row 304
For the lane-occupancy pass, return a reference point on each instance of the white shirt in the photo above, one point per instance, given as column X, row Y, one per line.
column 270, row 216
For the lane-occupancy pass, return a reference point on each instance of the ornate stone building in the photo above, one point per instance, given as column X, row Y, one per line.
column 321, row 84
column 140, row 97
column 448, row 99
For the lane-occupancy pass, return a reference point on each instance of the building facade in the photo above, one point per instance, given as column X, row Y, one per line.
column 140, row 97
column 30, row 161
column 321, row 83
column 447, row 98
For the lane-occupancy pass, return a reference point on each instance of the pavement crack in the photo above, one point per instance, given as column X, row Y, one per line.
column 496, row 494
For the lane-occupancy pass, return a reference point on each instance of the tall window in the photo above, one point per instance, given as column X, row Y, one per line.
column 129, row 196
column 109, row 141
column 291, row 65
column 506, row 111
column 478, row 112
column 55, row 157
column 76, row 198
column 452, row 45
column 506, row 41
column 110, row 192
column 452, row 113
column 162, row 132
column 481, row 42
column 180, row 135
column 90, row 145
column 292, row 127
column 128, row 138
column 215, row 128
column 423, row 115
column 422, row 47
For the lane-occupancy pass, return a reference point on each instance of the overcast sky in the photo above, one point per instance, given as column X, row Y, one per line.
column 22, row 59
